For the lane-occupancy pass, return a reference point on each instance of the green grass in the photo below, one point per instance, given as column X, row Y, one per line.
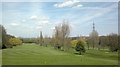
column 32, row 54
column 0, row 57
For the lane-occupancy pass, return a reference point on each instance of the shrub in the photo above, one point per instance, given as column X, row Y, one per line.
column 73, row 43
column 15, row 41
column 80, row 46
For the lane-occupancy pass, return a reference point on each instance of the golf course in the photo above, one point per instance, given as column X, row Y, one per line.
column 59, row 33
column 34, row 54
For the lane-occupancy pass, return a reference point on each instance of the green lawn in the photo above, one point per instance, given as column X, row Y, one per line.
column 32, row 54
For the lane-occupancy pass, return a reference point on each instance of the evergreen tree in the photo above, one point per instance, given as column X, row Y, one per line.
column 41, row 38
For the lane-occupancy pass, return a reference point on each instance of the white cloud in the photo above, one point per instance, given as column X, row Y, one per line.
column 33, row 17
column 78, row 6
column 14, row 24
column 66, row 3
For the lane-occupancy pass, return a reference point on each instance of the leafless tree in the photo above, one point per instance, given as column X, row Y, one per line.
column 61, row 34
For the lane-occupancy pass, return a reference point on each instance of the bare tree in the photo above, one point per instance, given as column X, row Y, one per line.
column 57, row 37
column 65, row 31
column 61, row 34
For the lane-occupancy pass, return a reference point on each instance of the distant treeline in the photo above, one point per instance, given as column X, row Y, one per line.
column 46, row 40
column 111, row 41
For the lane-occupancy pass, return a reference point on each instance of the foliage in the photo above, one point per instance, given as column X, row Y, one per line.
column 113, row 42
column 41, row 38
column 0, row 36
column 73, row 43
column 15, row 41
column 80, row 46
column 3, row 35
column 4, row 38
column 103, row 41
column 7, row 44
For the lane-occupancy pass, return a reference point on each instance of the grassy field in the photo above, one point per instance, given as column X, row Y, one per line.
column 32, row 54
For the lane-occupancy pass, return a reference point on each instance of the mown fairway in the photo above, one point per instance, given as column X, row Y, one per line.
column 32, row 54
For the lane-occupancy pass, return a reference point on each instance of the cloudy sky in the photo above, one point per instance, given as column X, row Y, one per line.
column 27, row 19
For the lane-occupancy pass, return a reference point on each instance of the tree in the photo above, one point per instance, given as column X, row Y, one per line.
column 113, row 42
column 62, row 32
column 73, row 43
column 15, row 41
column 3, row 36
column 65, row 31
column 89, row 42
column 0, row 36
column 57, row 37
column 7, row 44
column 67, row 44
column 41, row 38
column 47, row 41
column 80, row 46
column 119, row 42
column 103, row 41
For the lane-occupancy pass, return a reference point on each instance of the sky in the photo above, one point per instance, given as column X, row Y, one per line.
column 27, row 19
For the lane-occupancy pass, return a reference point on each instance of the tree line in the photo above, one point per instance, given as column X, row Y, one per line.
column 61, row 40
column 101, row 42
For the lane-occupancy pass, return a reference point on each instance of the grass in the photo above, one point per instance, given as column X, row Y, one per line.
column 32, row 54
column 0, row 57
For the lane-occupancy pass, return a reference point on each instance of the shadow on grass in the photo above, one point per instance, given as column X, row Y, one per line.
column 76, row 53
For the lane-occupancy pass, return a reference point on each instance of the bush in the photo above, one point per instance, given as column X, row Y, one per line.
column 80, row 46
column 73, row 43
column 15, row 41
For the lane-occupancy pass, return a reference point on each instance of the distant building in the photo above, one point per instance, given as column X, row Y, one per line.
column 84, row 37
column 81, row 37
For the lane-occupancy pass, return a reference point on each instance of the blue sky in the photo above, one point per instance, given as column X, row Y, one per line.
column 27, row 19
